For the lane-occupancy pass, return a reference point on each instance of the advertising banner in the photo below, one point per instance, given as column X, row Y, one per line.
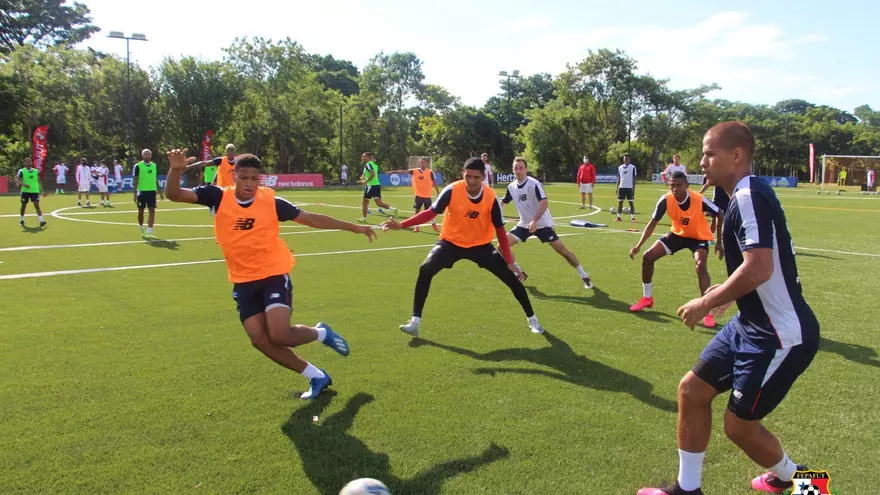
column 692, row 179
column 280, row 181
column 402, row 179
column 780, row 181
column 207, row 139
column 39, row 148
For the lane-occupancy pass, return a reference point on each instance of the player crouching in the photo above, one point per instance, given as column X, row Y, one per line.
column 690, row 230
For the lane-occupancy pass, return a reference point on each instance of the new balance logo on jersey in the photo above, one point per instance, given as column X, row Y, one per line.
column 685, row 221
column 523, row 197
column 244, row 224
column 472, row 214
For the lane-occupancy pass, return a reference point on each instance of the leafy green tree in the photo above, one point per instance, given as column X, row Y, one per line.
column 43, row 22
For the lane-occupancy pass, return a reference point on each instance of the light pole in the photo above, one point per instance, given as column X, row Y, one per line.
column 136, row 37
column 514, row 75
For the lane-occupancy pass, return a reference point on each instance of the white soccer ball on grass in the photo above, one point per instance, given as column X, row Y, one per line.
column 365, row 486
column 613, row 210
column 625, row 209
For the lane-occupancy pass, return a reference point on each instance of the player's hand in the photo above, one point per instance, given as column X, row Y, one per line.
column 633, row 252
column 533, row 226
column 693, row 312
column 515, row 269
column 365, row 230
column 177, row 159
column 135, row 198
column 719, row 249
column 391, row 224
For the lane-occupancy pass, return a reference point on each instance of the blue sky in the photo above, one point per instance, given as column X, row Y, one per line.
column 759, row 52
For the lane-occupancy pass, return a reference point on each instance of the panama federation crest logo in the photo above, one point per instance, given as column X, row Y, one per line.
column 811, row 482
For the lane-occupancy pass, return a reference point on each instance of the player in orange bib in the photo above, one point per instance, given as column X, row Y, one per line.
column 472, row 219
column 422, row 182
column 687, row 212
column 225, row 168
column 246, row 225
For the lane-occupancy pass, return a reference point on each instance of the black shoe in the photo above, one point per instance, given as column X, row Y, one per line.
column 42, row 223
column 675, row 489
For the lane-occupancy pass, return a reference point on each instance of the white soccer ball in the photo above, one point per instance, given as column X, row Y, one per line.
column 829, row 192
column 819, row 191
column 812, row 490
column 626, row 209
column 613, row 210
column 838, row 193
column 365, row 486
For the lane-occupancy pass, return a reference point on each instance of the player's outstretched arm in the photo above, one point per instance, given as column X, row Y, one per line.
column 649, row 230
column 177, row 162
column 318, row 221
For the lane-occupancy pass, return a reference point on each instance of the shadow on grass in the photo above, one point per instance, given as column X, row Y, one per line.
column 804, row 254
column 331, row 457
column 570, row 367
column 32, row 230
column 853, row 352
column 162, row 243
column 601, row 300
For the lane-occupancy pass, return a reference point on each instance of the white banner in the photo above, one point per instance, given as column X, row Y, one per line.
column 692, row 179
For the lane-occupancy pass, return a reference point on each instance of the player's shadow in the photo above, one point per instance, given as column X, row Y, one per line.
column 569, row 367
column 32, row 230
column 851, row 352
column 601, row 300
column 331, row 457
column 162, row 243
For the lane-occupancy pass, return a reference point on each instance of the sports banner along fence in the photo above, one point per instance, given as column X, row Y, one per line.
column 40, row 148
column 606, row 179
column 402, row 179
column 207, row 140
column 812, row 161
column 692, row 179
column 278, row 181
column 780, row 181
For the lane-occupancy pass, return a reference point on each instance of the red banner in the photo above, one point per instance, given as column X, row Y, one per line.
column 277, row 181
column 4, row 185
column 39, row 148
column 812, row 161
column 206, row 144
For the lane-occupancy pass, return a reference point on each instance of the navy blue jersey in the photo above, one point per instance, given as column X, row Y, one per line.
column 775, row 315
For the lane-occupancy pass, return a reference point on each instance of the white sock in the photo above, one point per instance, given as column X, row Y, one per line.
column 646, row 289
column 41, row 218
column 22, row 218
column 312, row 372
column 690, row 469
column 516, row 264
column 149, row 230
column 633, row 217
column 416, row 319
column 322, row 334
column 618, row 216
column 785, row 469
column 581, row 272
column 141, row 227
column 533, row 320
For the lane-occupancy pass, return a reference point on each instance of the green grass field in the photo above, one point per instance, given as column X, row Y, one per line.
column 142, row 380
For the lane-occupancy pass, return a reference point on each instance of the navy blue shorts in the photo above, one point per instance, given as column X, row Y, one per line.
column 760, row 378
column 146, row 199
column 372, row 192
column 626, row 193
column 422, row 202
column 544, row 234
column 721, row 199
column 32, row 197
column 259, row 296
column 675, row 243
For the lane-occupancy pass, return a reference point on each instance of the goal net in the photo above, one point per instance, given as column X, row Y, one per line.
column 848, row 174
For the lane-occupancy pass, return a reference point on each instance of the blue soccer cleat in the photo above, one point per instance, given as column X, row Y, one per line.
column 333, row 340
column 316, row 386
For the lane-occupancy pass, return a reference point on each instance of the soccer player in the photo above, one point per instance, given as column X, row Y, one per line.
column 246, row 222
column 146, row 183
column 771, row 341
column 83, row 182
column 489, row 178
column 842, row 178
column 372, row 189
column 690, row 230
column 534, row 217
column 586, row 180
column 719, row 199
column 422, row 181
column 60, row 170
column 870, row 180
column 626, row 187
column 117, row 175
column 225, row 168
column 472, row 217
column 100, row 173
column 28, row 178
column 343, row 174
column 673, row 167
column 210, row 169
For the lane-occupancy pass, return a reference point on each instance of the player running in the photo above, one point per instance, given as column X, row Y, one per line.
column 146, row 183
column 771, row 341
column 422, row 181
column 534, row 217
column 372, row 189
column 246, row 225
column 626, row 187
column 472, row 218
column 28, row 178
column 60, row 170
column 690, row 230
column 83, row 182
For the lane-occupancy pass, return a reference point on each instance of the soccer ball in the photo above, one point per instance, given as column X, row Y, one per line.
column 838, row 193
column 812, row 490
column 626, row 209
column 819, row 191
column 613, row 210
column 829, row 192
column 365, row 486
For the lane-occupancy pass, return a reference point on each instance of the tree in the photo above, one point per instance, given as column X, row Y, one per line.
column 43, row 22
column 456, row 135
column 339, row 75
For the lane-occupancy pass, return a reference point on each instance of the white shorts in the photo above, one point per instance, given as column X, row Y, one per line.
column 586, row 188
column 83, row 187
column 102, row 187
column 60, row 180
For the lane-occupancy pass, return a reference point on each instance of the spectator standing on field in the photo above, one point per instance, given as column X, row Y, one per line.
column 586, row 180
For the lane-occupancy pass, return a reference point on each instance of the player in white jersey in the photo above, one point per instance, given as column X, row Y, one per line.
column 626, row 187
column 100, row 172
column 489, row 174
column 83, row 182
column 528, row 196
column 60, row 177
column 117, row 175
column 673, row 167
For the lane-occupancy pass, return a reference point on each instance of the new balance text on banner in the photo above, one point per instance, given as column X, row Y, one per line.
column 692, row 179
column 402, row 179
column 780, row 181
column 277, row 181
column 40, row 148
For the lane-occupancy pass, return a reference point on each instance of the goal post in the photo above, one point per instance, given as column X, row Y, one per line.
column 847, row 173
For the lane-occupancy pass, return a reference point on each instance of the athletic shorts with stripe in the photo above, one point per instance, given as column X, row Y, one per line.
column 760, row 378
column 259, row 296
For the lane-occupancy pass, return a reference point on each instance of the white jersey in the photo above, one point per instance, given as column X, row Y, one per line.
column 60, row 171
column 527, row 199
column 487, row 171
column 671, row 169
column 117, row 170
column 101, row 173
column 83, row 174
column 344, row 173
column 627, row 175
column 870, row 177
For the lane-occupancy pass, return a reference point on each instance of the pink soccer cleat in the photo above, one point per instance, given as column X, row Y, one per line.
column 708, row 321
column 769, row 483
column 644, row 303
column 416, row 229
column 436, row 228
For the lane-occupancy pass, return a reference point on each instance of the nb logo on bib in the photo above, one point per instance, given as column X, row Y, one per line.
column 244, row 224
column 472, row 214
column 685, row 221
